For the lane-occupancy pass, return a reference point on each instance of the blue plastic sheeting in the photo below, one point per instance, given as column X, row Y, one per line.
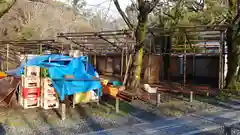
column 37, row 61
column 82, row 82
column 59, row 66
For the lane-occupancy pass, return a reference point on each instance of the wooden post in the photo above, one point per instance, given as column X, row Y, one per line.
column 73, row 102
column 184, row 65
column 98, row 100
column 106, row 64
column 191, row 96
column 62, row 50
column 2, row 65
column 194, row 65
column 227, row 131
column 122, row 57
column 63, row 111
column 87, row 64
column 95, row 60
column 7, row 55
column 126, row 58
column 117, row 105
column 40, row 49
column 158, row 99
column 149, row 62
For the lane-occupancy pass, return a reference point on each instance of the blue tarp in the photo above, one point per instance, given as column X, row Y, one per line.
column 59, row 66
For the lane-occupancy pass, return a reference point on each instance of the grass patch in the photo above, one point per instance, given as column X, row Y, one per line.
column 124, row 107
column 225, row 95
column 107, row 109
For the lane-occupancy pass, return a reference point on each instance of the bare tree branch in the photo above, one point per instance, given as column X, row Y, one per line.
column 153, row 4
column 172, row 17
column 5, row 5
column 125, row 18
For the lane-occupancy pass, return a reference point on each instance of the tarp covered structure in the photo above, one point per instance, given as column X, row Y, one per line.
column 85, row 76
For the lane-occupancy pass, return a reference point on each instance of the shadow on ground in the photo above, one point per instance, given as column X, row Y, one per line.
column 2, row 130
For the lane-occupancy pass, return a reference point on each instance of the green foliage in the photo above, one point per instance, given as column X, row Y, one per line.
column 181, row 13
column 5, row 6
column 185, row 13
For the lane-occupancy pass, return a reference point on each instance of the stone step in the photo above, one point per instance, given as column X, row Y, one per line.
column 187, row 125
column 192, row 128
column 231, row 105
column 225, row 117
column 164, row 125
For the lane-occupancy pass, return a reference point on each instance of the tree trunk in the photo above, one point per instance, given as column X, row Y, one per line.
column 144, row 8
column 5, row 5
column 167, row 44
column 135, row 71
column 233, row 60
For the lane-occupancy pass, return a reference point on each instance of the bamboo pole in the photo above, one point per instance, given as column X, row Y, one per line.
column 128, row 66
column 95, row 60
column 122, row 58
column 7, row 55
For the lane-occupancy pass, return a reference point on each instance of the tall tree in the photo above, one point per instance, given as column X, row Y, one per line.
column 5, row 5
column 233, row 44
column 144, row 8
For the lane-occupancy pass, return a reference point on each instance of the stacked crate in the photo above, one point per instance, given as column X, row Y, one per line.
column 29, row 94
column 49, row 98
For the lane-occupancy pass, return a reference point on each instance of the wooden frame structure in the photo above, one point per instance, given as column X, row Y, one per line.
column 11, row 48
column 214, row 33
column 117, row 42
column 121, row 42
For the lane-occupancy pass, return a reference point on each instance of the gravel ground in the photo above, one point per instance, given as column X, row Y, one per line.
column 89, row 119
column 220, row 132
column 38, row 121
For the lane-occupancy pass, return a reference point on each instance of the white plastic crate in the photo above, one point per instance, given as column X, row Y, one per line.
column 48, row 91
column 46, row 81
column 46, row 98
column 49, row 98
column 46, row 104
column 30, row 81
column 32, row 71
column 29, row 103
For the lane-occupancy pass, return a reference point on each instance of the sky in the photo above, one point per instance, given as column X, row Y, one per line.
column 105, row 4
